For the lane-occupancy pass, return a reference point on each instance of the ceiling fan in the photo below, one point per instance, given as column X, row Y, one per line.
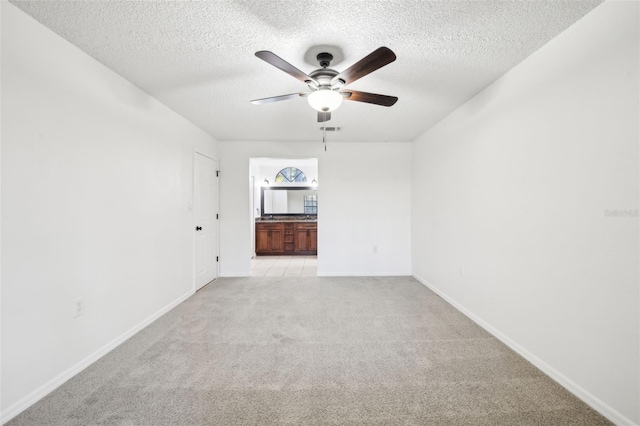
column 327, row 85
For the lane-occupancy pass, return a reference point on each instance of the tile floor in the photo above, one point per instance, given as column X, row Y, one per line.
column 284, row 266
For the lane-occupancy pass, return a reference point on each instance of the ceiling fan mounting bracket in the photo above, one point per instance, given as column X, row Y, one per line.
column 324, row 59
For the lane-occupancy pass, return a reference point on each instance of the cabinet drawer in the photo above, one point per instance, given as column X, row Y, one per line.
column 269, row 226
column 306, row 225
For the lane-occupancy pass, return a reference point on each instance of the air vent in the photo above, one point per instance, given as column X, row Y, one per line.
column 331, row 129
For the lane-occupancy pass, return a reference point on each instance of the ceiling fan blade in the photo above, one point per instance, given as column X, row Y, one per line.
column 285, row 66
column 278, row 98
column 370, row 98
column 373, row 61
column 323, row 116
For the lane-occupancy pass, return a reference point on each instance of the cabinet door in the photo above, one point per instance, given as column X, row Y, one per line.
column 312, row 241
column 301, row 239
column 262, row 240
column 269, row 238
column 306, row 237
column 276, row 240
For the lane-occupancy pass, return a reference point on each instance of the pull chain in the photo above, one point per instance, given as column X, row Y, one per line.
column 324, row 132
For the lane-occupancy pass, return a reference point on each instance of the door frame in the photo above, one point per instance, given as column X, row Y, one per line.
column 197, row 151
column 252, row 207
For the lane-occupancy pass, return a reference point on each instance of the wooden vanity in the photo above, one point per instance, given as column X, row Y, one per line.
column 288, row 221
column 286, row 237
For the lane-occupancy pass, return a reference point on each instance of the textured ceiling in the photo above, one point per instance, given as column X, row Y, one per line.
column 197, row 57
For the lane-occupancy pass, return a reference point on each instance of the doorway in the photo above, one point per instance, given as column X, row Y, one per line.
column 205, row 205
column 283, row 194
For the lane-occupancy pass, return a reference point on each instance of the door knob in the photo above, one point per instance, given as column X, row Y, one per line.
column 198, row 228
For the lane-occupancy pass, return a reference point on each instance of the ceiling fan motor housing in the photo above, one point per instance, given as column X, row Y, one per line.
column 322, row 77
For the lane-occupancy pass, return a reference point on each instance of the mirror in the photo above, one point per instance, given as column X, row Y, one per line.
column 289, row 201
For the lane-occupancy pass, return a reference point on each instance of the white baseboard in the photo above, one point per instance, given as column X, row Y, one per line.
column 355, row 274
column 330, row 274
column 53, row 384
column 563, row 380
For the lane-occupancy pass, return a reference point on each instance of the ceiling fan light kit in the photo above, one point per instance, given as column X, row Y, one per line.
column 327, row 85
column 325, row 100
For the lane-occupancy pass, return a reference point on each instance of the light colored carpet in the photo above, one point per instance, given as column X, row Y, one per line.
column 311, row 351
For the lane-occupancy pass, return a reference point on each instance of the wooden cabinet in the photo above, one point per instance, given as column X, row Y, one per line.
column 306, row 237
column 269, row 238
column 286, row 238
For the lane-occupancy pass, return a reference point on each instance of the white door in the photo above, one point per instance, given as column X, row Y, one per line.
column 205, row 224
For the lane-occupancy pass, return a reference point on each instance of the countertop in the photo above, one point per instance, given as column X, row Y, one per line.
column 291, row 219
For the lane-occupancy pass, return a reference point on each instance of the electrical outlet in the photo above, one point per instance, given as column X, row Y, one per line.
column 78, row 306
column 461, row 271
column 374, row 250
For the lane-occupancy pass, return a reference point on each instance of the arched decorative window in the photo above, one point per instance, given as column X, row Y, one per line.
column 290, row 174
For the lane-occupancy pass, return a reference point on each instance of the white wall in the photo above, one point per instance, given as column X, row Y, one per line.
column 363, row 200
column 514, row 187
column 96, row 183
